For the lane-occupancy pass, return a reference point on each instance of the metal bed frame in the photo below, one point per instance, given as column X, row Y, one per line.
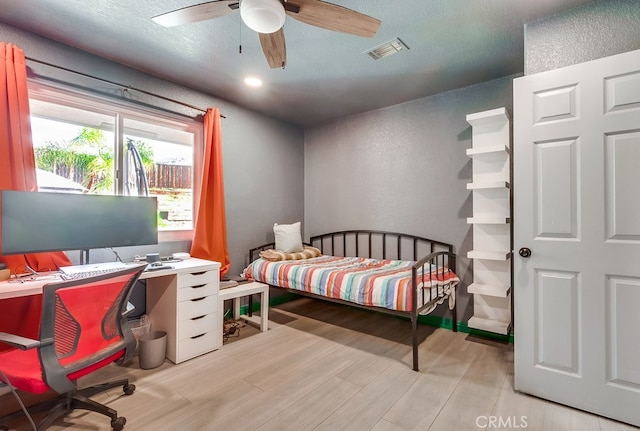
column 386, row 245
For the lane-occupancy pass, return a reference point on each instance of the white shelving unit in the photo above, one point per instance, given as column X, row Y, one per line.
column 491, row 220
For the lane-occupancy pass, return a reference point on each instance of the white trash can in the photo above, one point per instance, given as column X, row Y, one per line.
column 152, row 349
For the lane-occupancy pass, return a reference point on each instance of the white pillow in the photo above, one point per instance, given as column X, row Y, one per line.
column 288, row 238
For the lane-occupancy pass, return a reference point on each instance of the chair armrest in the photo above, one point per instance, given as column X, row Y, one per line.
column 22, row 343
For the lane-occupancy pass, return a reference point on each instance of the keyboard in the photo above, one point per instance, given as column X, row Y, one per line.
column 75, row 272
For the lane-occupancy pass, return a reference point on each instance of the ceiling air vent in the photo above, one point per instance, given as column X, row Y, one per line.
column 386, row 49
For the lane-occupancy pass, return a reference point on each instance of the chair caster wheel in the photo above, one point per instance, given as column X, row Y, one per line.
column 128, row 389
column 118, row 423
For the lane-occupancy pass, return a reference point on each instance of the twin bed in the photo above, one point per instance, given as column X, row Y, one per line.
column 390, row 272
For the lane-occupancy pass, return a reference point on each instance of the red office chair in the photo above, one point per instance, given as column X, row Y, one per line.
column 83, row 328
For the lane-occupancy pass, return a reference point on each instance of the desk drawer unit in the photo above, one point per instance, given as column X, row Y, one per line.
column 197, row 291
column 197, row 326
column 190, row 308
column 186, row 307
column 196, row 345
column 195, row 279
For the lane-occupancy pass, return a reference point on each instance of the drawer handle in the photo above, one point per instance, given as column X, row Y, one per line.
column 198, row 287
column 198, row 299
column 199, row 317
column 198, row 336
column 199, row 273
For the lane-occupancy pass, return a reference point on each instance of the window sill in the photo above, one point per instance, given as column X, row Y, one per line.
column 175, row 235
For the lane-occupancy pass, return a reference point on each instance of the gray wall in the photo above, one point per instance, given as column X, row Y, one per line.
column 585, row 33
column 403, row 168
column 263, row 158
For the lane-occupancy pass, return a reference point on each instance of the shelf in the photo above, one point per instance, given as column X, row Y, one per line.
column 488, row 117
column 489, row 255
column 489, row 325
column 487, row 150
column 489, row 289
column 497, row 184
column 488, row 220
column 491, row 219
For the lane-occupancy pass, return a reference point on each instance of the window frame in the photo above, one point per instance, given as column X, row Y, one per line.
column 121, row 110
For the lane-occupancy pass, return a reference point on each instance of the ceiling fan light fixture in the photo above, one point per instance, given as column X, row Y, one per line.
column 253, row 81
column 263, row 16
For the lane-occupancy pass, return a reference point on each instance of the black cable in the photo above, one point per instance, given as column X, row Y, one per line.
column 117, row 255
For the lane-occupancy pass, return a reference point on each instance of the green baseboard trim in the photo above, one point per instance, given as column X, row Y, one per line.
column 441, row 322
column 429, row 320
column 280, row 299
column 437, row 321
column 508, row 338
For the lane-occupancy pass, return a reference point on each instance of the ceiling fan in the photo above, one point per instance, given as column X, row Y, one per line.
column 266, row 17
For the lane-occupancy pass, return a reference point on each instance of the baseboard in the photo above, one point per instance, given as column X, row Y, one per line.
column 429, row 320
column 280, row 299
column 273, row 301
column 508, row 338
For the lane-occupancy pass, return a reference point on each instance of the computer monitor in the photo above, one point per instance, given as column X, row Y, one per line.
column 42, row 221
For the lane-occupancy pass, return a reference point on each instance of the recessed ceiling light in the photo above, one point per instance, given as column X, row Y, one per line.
column 253, row 81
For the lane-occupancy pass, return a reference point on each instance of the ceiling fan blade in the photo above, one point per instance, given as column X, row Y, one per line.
column 196, row 13
column 332, row 17
column 274, row 48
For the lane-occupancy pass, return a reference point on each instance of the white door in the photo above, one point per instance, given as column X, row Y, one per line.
column 577, row 209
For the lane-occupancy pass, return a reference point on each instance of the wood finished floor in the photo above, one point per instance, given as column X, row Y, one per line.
column 326, row 367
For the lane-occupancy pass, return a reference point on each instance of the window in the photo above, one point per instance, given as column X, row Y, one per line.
column 88, row 144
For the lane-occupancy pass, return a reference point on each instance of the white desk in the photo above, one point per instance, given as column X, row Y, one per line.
column 182, row 301
column 11, row 289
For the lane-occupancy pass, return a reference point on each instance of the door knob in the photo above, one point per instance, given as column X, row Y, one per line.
column 525, row 252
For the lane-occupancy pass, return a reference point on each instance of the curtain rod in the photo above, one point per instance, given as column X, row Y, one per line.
column 124, row 87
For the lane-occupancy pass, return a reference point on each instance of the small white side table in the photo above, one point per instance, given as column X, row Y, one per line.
column 240, row 291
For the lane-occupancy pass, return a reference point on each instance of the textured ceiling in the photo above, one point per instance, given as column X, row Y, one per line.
column 452, row 44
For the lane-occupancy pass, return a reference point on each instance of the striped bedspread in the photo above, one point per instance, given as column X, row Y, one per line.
column 370, row 282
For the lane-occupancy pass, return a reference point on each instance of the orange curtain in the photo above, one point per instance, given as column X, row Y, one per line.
column 17, row 164
column 210, row 228
column 18, row 172
column 17, row 161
